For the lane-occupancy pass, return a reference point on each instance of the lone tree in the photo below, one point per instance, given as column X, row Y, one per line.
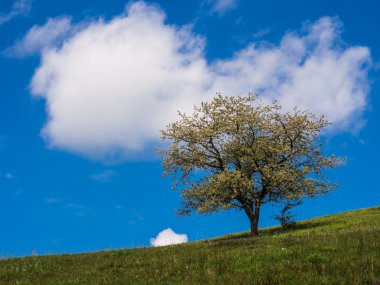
column 246, row 153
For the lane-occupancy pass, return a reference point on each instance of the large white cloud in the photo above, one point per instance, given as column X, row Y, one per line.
column 113, row 84
column 168, row 237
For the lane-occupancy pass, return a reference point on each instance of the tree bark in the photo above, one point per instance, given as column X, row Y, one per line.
column 254, row 220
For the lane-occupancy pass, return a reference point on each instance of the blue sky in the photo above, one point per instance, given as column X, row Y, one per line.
column 86, row 85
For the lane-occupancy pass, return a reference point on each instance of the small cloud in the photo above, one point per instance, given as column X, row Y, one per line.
column 52, row 200
column 8, row 176
column 79, row 209
column 20, row 7
column 139, row 217
column 40, row 38
column 261, row 33
column 168, row 237
column 119, row 207
column 76, row 206
column 103, row 177
column 221, row 7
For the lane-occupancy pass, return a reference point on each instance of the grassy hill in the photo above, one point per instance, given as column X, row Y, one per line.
column 335, row 249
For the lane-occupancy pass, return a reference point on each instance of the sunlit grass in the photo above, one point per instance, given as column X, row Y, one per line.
column 336, row 249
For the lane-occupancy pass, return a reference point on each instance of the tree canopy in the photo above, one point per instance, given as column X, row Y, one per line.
column 248, row 152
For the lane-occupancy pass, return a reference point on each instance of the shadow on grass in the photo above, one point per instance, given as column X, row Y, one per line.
column 276, row 230
column 295, row 227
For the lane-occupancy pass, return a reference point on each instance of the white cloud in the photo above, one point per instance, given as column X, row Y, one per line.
column 20, row 7
column 168, row 237
column 220, row 7
column 114, row 84
column 311, row 70
column 104, row 176
column 261, row 33
column 39, row 38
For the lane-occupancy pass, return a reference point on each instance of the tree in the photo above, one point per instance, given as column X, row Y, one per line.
column 247, row 153
column 286, row 217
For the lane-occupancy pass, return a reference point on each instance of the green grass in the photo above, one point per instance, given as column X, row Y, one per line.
column 336, row 249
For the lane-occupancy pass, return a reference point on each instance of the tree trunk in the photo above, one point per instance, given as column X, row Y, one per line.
column 254, row 220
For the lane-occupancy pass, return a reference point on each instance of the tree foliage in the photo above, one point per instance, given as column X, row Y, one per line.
column 249, row 153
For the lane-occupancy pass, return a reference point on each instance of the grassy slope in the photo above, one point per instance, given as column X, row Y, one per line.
column 336, row 249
